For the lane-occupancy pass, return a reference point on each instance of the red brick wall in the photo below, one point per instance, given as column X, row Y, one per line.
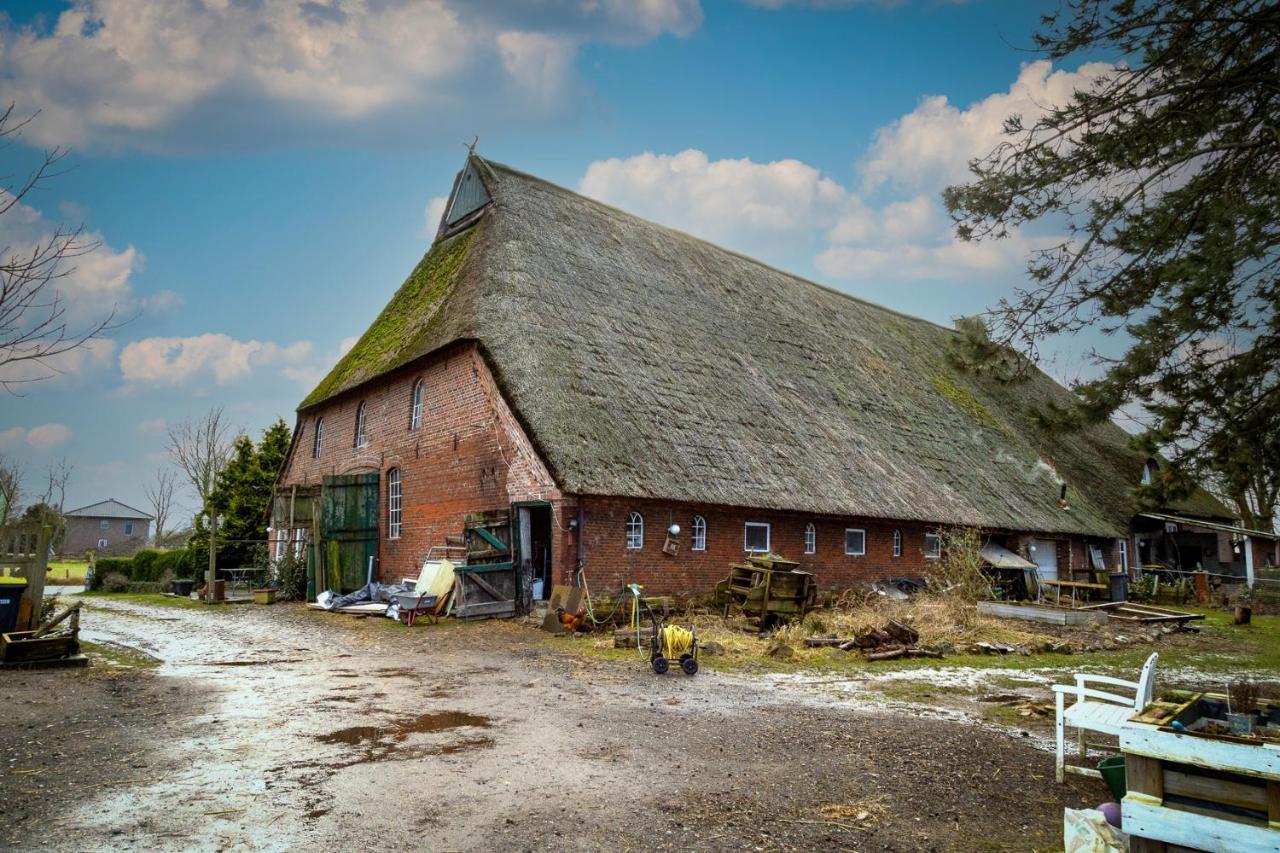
column 610, row 565
column 469, row 454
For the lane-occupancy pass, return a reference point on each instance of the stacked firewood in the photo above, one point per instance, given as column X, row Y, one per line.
column 894, row 640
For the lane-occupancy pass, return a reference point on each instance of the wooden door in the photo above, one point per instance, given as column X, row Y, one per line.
column 349, row 529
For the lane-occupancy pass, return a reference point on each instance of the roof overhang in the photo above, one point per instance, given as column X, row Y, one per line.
column 1209, row 525
column 1002, row 558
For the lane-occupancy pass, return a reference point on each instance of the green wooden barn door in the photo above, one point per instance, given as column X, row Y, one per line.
column 349, row 528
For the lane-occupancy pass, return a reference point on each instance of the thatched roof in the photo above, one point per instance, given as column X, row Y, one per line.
column 647, row 363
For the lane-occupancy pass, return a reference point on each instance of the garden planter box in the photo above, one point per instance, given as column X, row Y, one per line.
column 1200, row 787
column 264, row 596
column 18, row 646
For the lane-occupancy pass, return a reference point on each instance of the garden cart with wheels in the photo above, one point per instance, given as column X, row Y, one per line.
column 667, row 643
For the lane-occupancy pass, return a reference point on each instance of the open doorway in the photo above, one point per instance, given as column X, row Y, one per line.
column 533, row 521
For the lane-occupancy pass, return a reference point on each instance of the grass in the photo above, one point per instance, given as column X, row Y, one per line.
column 1220, row 648
column 139, row 598
column 66, row 572
column 121, row 656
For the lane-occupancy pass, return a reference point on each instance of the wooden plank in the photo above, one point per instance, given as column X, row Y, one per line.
column 497, row 543
column 1259, row 760
column 1273, row 804
column 1041, row 613
column 487, row 608
column 1197, row 831
column 483, row 568
column 1144, row 776
column 486, row 586
column 1213, row 790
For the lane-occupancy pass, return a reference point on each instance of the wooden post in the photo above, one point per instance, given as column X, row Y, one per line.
column 211, row 575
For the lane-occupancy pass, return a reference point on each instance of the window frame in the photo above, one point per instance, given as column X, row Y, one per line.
column 104, row 524
column 102, row 543
column 282, row 541
column 417, row 404
column 361, row 437
column 897, row 543
column 810, row 539
column 1123, row 549
column 698, row 534
column 635, row 531
column 128, row 528
column 395, row 504
column 935, row 537
column 861, row 530
column 299, row 542
column 317, row 440
column 768, row 536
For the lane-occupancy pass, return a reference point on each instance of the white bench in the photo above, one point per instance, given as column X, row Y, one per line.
column 1098, row 710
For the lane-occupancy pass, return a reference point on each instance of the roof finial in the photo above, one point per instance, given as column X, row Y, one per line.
column 471, row 147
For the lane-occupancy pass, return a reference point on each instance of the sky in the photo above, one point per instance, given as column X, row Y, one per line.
column 261, row 176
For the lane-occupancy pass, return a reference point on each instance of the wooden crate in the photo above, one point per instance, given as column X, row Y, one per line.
column 1200, row 792
column 18, row 647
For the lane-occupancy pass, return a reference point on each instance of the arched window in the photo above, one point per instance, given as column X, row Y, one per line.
column 897, row 543
column 1149, row 469
column 415, row 407
column 393, row 503
column 360, row 436
column 699, row 534
column 635, row 531
column 810, row 538
column 317, row 440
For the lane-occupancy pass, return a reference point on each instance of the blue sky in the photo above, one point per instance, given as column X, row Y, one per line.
column 261, row 178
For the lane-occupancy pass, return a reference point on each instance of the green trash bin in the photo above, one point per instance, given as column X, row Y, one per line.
column 1112, row 770
column 11, row 590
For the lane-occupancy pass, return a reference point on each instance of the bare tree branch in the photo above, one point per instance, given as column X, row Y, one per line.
column 160, row 494
column 200, row 448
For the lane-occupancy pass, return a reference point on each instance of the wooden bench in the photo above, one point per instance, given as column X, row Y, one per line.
column 1074, row 586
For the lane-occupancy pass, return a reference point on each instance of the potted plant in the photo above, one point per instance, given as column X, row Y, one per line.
column 264, row 595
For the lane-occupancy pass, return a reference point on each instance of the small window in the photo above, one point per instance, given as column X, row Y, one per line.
column 1124, row 554
column 699, row 534
column 393, row 503
column 282, row 541
column 932, row 546
column 810, row 539
column 299, row 542
column 102, row 543
column 855, row 541
column 317, row 440
column 415, row 407
column 635, row 531
column 128, row 528
column 360, row 436
column 104, row 525
column 755, row 538
column 897, row 543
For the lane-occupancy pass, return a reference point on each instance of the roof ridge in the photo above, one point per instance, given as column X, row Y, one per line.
column 493, row 164
column 141, row 514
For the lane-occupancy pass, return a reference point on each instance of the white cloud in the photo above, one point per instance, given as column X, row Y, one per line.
column 737, row 202
column 179, row 361
column 311, row 372
column 932, row 145
column 154, row 73
column 434, row 213
column 41, row 437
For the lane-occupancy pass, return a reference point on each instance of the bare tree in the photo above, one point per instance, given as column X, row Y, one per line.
column 34, row 327
column 10, row 486
column 55, row 492
column 200, row 448
column 160, row 494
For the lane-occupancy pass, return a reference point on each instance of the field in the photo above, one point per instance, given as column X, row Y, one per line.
column 66, row 572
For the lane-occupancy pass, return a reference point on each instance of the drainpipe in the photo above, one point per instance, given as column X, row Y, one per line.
column 1248, row 562
column 581, row 549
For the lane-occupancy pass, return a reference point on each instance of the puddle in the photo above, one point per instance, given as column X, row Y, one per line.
column 399, row 731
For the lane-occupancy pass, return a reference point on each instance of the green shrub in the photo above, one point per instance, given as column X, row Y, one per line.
column 178, row 561
column 111, row 565
column 115, row 582
column 143, row 562
column 291, row 577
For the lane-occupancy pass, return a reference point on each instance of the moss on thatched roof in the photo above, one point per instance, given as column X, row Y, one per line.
column 647, row 363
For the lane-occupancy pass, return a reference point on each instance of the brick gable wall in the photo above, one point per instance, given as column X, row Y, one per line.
column 469, row 455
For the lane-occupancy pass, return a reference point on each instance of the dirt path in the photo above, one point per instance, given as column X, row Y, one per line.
column 279, row 728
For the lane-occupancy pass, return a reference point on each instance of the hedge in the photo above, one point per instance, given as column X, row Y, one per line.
column 106, row 565
column 146, row 566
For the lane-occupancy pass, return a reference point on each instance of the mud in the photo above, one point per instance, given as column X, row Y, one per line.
column 488, row 736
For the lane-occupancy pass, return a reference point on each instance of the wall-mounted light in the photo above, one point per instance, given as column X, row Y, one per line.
column 674, row 530
column 573, row 524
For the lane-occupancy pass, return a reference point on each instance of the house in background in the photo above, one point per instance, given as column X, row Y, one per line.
column 109, row 528
column 648, row 407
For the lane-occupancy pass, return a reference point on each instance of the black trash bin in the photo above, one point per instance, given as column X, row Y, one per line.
column 182, row 586
column 10, row 598
column 1120, row 586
